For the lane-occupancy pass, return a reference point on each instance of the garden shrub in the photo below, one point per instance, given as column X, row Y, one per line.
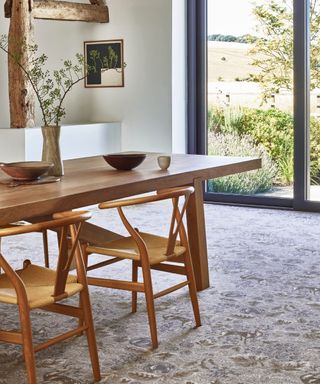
column 215, row 119
column 233, row 119
column 315, row 150
column 231, row 144
column 274, row 130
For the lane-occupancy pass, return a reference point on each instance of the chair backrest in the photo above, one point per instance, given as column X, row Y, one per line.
column 176, row 224
column 69, row 224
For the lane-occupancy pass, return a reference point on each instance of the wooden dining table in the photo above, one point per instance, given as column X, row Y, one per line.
column 91, row 180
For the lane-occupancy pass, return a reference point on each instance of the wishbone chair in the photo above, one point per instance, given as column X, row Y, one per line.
column 38, row 287
column 149, row 251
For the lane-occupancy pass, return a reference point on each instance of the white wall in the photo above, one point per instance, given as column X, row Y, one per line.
column 144, row 105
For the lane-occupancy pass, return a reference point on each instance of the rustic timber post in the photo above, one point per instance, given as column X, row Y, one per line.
column 21, row 96
column 22, row 14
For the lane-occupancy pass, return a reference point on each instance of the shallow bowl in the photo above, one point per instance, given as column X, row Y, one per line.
column 124, row 161
column 26, row 170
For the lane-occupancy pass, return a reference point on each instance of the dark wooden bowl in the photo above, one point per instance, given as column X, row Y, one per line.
column 26, row 170
column 124, row 161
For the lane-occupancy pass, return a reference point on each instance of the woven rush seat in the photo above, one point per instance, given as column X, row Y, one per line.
column 39, row 283
column 126, row 248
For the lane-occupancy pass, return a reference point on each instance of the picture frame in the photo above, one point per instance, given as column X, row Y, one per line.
column 109, row 63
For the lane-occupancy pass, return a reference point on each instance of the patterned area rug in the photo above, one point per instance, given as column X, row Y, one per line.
column 261, row 315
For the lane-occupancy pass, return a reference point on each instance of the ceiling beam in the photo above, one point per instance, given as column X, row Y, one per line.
column 96, row 12
column 98, row 2
column 7, row 8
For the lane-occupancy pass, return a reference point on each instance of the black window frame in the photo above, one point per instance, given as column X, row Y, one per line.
column 197, row 104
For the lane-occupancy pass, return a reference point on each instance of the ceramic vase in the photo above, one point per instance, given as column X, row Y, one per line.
column 51, row 149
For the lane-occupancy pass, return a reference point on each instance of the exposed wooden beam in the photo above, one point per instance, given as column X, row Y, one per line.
column 98, row 2
column 63, row 10
column 7, row 8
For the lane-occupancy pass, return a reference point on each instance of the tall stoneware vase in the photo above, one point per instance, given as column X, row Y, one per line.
column 51, row 149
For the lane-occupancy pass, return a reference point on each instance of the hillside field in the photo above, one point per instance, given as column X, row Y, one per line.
column 228, row 61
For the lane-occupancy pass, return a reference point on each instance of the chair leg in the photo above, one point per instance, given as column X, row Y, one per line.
column 0, row 252
column 85, row 261
column 148, row 291
column 28, row 351
column 192, row 288
column 134, row 280
column 45, row 248
column 92, row 343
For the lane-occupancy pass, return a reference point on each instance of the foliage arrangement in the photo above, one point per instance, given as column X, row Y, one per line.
column 51, row 88
column 231, row 144
column 274, row 130
column 273, row 54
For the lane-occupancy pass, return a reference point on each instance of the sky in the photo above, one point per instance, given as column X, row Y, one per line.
column 230, row 17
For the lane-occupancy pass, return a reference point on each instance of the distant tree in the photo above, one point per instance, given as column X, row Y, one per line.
column 231, row 38
column 247, row 39
column 273, row 53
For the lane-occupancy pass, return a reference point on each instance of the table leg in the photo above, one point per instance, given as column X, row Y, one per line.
column 197, row 236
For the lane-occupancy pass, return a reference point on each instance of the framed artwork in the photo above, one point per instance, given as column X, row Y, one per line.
column 106, row 56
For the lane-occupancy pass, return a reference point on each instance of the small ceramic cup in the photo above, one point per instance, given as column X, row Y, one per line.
column 164, row 162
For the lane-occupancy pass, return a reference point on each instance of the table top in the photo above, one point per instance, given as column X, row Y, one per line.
column 91, row 180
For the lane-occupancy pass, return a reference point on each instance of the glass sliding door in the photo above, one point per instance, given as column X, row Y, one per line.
column 306, row 117
column 313, row 137
column 254, row 90
column 250, row 96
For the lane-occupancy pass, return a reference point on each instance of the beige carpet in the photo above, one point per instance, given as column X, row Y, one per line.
column 261, row 316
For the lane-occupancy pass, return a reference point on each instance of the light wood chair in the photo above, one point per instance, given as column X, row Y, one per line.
column 149, row 251
column 38, row 287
